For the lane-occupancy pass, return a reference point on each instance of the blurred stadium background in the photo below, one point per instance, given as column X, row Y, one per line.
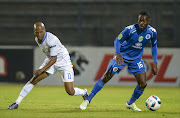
column 85, row 27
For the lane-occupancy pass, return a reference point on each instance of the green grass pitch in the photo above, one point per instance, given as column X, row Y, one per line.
column 53, row 102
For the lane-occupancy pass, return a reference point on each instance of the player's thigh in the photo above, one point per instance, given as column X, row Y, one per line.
column 136, row 67
column 51, row 69
column 67, row 74
column 114, row 67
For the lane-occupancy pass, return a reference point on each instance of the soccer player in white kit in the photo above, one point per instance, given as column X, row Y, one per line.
column 57, row 59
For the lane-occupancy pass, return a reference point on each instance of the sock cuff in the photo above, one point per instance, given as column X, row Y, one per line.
column 29, row 84
column 139, row 89
column 101, row 83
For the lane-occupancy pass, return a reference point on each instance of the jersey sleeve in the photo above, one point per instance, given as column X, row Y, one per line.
column 53, row 47
column 154, row 49
column 120, row 39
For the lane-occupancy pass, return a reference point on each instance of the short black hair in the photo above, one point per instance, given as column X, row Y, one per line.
column 145, row 13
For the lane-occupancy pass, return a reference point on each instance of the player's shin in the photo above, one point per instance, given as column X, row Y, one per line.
column 26, row 89
column 137, row 93
column 97, row 87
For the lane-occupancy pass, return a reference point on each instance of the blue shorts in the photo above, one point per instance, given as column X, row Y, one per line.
column 135, row 66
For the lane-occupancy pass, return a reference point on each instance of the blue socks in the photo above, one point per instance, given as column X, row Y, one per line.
column 137, row 93
column 97, row 87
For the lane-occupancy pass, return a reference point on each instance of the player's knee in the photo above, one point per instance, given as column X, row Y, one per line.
column 70, row 92
column 143, row 85
column 34, row 81
column 106, row 77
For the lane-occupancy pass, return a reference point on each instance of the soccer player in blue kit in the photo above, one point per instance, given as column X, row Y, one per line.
column 128, row 51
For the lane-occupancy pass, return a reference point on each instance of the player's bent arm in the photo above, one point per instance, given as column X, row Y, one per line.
column 154, row 54
column 50, row 63
column 154, row 51
column 154, row 69
column 154, row 48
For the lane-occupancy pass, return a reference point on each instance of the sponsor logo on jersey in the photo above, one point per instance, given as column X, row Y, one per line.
column 115, row 69
column 137, row 47
column 140, row 39
column 148, row 36
column 138, row 44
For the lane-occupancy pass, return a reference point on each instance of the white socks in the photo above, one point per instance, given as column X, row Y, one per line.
column 79, row 91
column 26, row 89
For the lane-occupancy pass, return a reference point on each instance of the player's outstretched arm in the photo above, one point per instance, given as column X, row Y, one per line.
column 154, row 69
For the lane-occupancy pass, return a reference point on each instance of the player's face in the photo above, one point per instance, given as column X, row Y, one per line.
column 39, row 32
column 143, row 22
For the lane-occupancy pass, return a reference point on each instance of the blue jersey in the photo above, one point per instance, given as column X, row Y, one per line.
column 131, row 42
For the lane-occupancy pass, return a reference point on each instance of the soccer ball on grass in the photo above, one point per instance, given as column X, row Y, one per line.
column 153, row 102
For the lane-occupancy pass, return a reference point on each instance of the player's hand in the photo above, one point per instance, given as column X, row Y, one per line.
column 119, row 59
column 38, row 72
column 154, row 69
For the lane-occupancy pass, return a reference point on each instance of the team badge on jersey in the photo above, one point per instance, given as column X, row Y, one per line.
column 115, row 69
column 140, row 39
column 148, row 36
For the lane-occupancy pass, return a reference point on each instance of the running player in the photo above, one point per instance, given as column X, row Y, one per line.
column 57, row 59
column 128, row 51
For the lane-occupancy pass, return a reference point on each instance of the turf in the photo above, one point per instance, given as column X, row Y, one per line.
column 53, row 102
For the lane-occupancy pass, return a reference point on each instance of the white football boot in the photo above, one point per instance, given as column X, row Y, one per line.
column 133, row 107
column 84, row 105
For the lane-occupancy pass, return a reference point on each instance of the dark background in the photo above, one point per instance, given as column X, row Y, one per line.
column 17, row 60
column 86, row 22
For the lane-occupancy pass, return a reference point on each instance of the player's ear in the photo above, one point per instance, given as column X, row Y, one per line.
column 139, row 18
column 34, row 32
column 149, row 19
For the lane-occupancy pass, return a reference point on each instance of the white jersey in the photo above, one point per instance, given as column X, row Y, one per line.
column 52, row 46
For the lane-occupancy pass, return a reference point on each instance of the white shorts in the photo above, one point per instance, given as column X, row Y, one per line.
column 64, row 67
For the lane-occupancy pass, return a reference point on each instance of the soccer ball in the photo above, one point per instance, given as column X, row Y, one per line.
column 153, row 103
